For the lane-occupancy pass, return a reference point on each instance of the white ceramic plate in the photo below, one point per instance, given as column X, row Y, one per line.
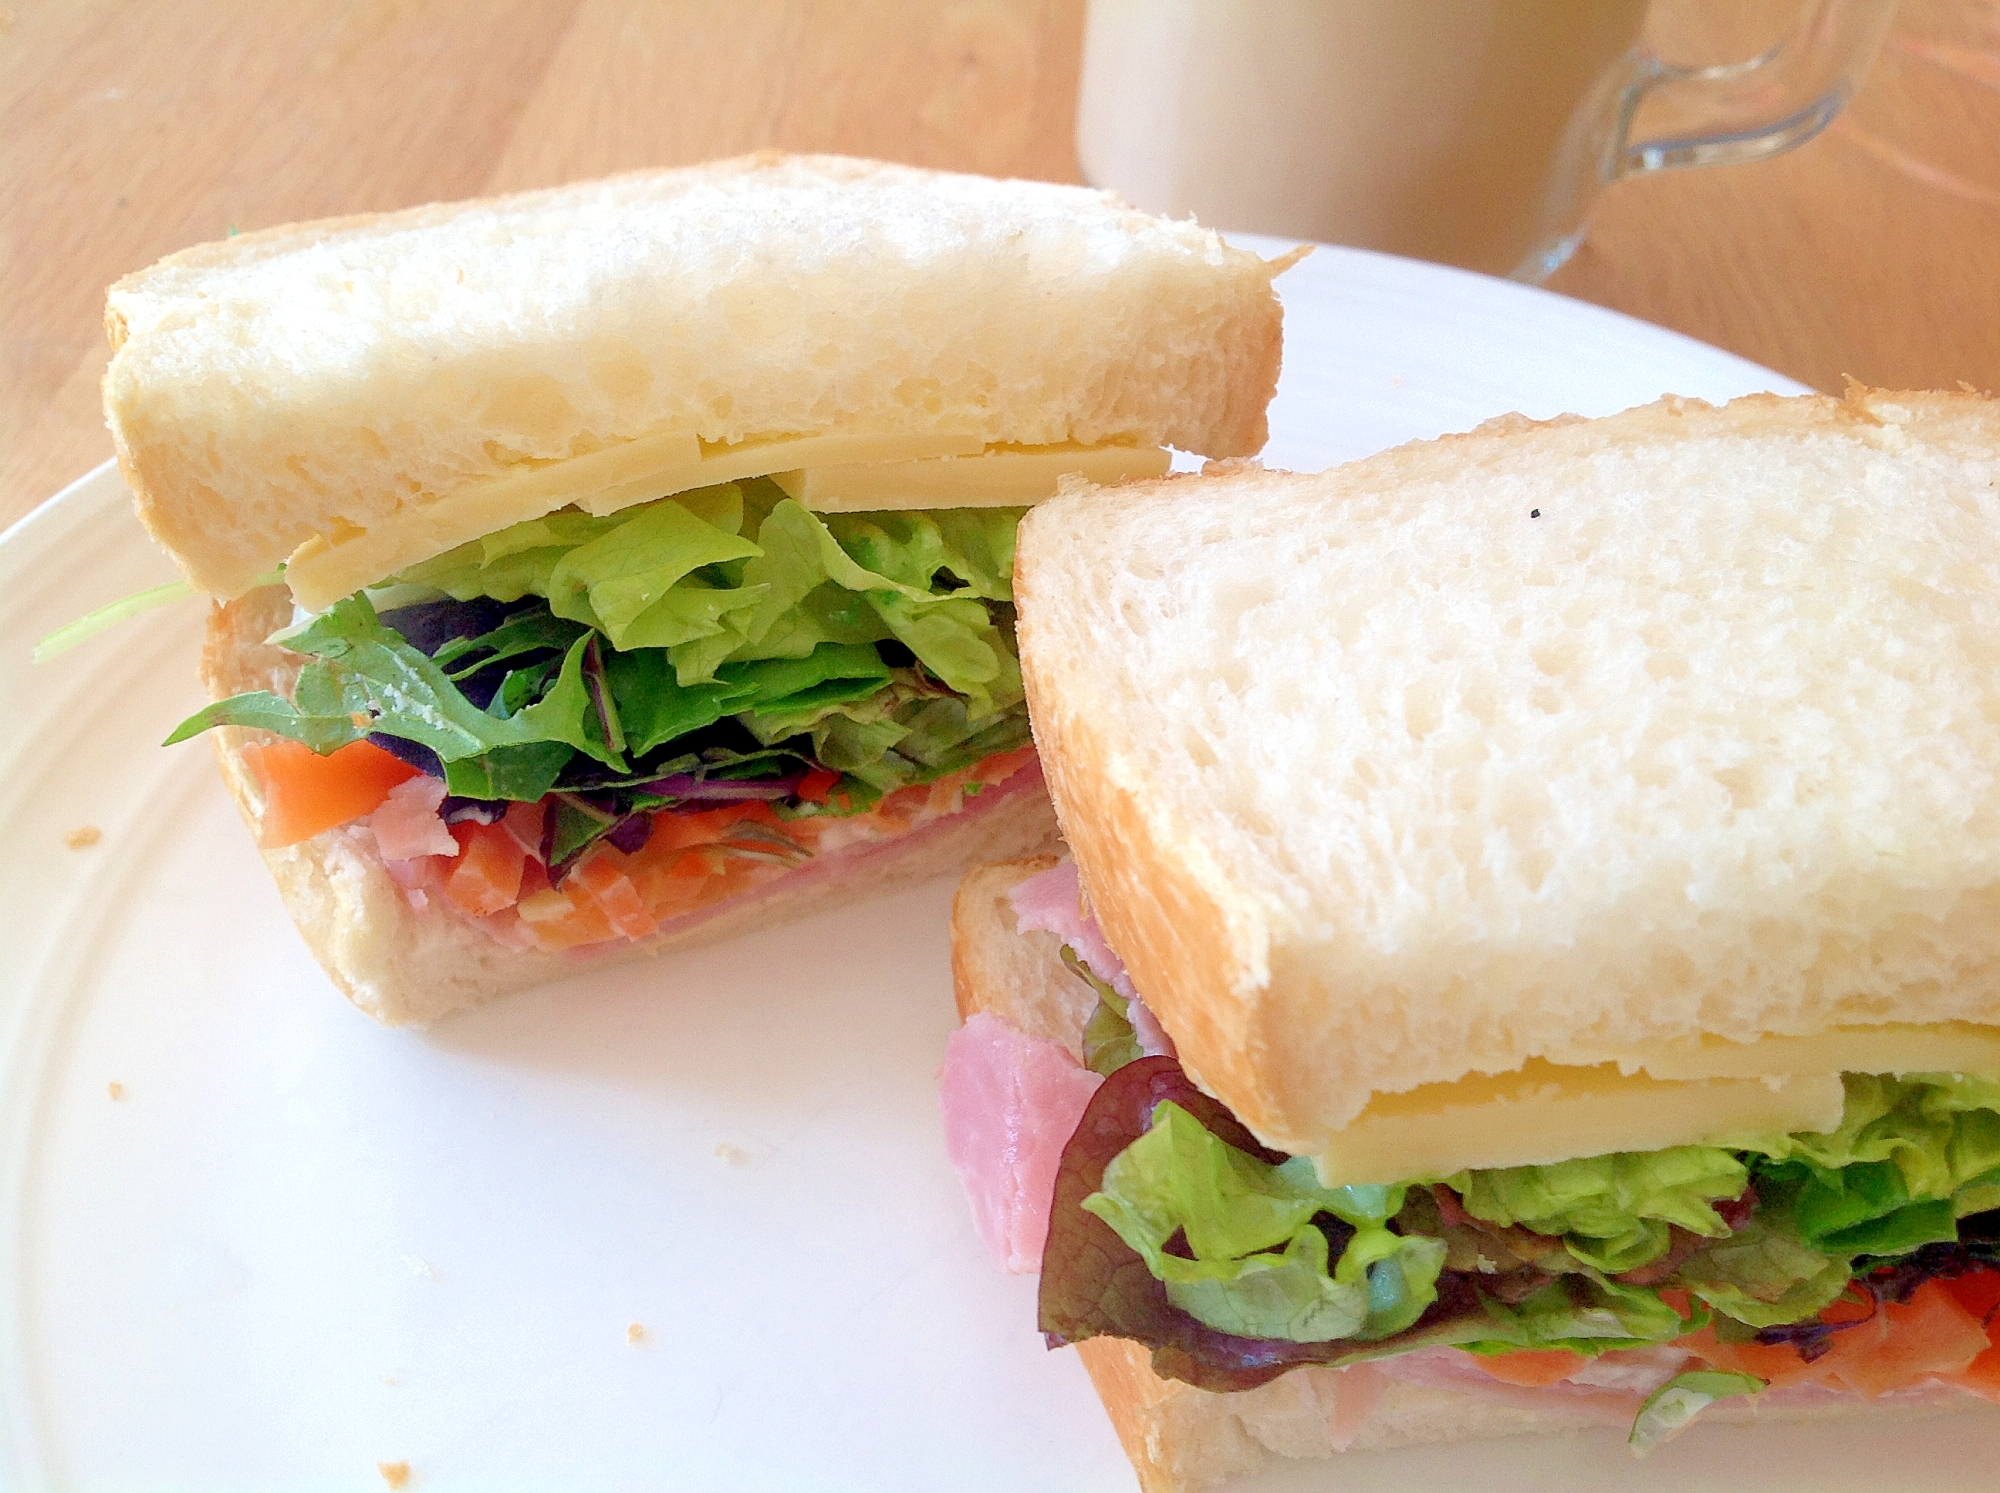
column 252, row 1241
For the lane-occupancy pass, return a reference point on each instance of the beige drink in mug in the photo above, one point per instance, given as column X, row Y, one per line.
column 1474, row 132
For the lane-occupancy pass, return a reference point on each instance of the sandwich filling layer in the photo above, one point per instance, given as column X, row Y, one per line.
column 826, row 473
column 571, row 724
column 1858, row 1255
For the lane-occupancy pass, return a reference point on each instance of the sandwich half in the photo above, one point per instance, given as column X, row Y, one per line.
column 630, row 562
column 1532, row 950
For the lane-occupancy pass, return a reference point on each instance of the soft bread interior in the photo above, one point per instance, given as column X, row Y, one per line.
column 317, row 379
column 404, row 966
column 1180, row 1438
column 1543, row 740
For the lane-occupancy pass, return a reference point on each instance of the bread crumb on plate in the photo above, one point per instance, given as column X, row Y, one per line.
column 115, row 1089
column 83, row 837
column 395, row 1474
column 636, row 1333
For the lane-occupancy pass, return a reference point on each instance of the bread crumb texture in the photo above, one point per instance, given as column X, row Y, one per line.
column 83, row 837
column 395, row 1474
column 115, row 1089
column 636, row 1334
column 321, row 376
column 1377, row 781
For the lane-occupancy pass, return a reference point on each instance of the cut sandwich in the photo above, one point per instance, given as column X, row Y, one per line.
column 630, row 562
column 1532, row 953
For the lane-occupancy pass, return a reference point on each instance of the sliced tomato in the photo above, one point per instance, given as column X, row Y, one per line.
column 305, row 793
column 534, row 877
column 487, row 874
column 1979, row 1293
column 1531, row 1369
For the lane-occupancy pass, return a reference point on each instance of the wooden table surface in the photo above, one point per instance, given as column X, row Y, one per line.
column 130, row 128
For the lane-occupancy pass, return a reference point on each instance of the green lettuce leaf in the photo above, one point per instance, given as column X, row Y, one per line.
column 1611, row 1211
column 1109, row 1042
column 1674, row 1405
column 365, row 678
column 1765, row 1274
column 1579, row 1311
column 1260, row 1260
column 695, row 620
column 1911, row 1155
column 952, row 634
column 739, row 572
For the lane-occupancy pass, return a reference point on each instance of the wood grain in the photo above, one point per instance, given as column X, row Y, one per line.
column 130, row 129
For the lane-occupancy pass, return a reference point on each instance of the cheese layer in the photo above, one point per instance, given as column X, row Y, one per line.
column 832, row 473
column 998, row 478
column 1660, row 1095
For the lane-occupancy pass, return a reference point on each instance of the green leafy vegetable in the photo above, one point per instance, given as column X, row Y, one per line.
column 725, row 631
column 1671, row 1407
column 1579, row 1311
column 1764, row 1274
column 1109, row 1042
column 1613, row 1211
column 1259, row 1263
column 739, row 572
column 89, row 625
column 365, row 678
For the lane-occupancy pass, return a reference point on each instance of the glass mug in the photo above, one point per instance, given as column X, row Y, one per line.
column 1473, row 132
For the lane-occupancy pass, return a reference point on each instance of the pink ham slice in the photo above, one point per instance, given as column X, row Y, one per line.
column 1051, row 901
column 408, row 825
column 1011, row 1102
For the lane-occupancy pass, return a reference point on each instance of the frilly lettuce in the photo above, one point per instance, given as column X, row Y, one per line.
column 1260, row 1260
column 1611, row 1211
column 740, row 572
column 726, row 631
column 1765, row 1274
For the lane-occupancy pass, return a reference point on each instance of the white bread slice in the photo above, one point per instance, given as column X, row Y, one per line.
column 1181, row 1438
column 405, row 966
column 320, row 377
column 1536, row 742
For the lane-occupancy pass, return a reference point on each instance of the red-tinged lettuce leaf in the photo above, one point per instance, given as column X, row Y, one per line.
column 1095, row 1285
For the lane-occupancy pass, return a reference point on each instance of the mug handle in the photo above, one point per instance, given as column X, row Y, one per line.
column 1745, row 111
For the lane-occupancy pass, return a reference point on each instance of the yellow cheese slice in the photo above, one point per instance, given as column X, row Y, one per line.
column 719, row 463
column 1003, row 477
column 326, row 568
column 323, row 570
column 1946, row 1047
column 1544, row 1113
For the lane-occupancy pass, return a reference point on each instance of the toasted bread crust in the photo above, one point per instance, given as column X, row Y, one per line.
column 1353, row 941
column 322, row 376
